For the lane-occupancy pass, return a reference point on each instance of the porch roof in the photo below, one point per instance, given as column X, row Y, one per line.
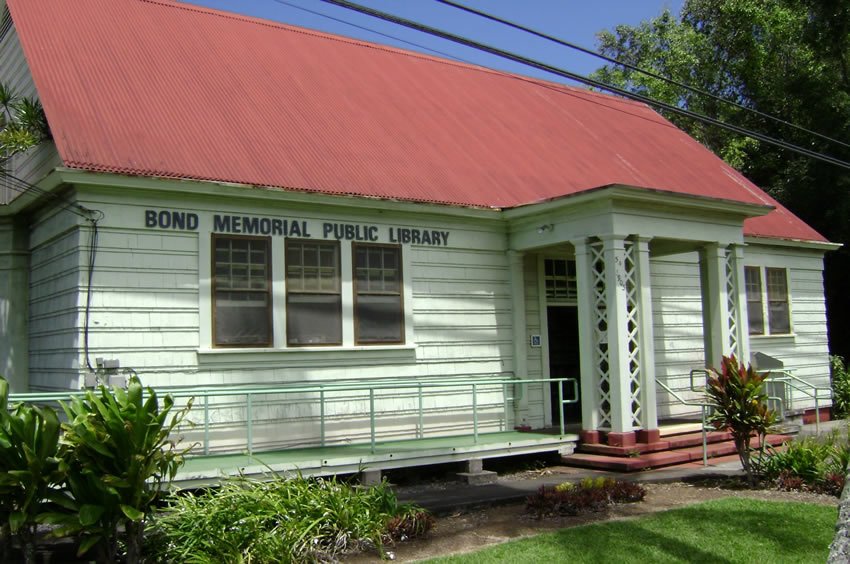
column 167, row 89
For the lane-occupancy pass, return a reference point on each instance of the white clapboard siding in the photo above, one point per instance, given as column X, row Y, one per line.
column 677, row 321
column 806, row 351
column 56, row 275
column 146, row 312
column 677, row 328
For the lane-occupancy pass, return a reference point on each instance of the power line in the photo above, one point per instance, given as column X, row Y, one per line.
column 376, row 32
column 25, row 188
column 585, row 80
column 637, row 69
column 22, row 186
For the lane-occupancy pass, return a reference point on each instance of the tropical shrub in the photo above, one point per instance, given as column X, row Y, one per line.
column 739, row 403
column 813, row 463
column 840, row 378
column 29, row 470
column 281, row 520
column 591, row 494
column 118, row 457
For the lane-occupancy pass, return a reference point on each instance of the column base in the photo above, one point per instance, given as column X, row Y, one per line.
column 648, row 436
column 626, row 439
column 589, row 436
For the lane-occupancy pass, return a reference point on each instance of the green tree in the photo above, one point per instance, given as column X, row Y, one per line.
column 786, row 58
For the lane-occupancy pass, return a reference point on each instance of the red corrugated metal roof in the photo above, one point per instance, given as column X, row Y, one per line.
column 153, row 87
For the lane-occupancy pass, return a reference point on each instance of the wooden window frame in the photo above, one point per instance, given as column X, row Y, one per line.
column 786, row 299
column 270, row 294
column 402, row 328
column 288, row 243
column 764, row 301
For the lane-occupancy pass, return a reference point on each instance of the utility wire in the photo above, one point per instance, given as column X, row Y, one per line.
column 637, row 69
column 376, row 32
column 586, row 80
column 22, row 186
column 91, row 216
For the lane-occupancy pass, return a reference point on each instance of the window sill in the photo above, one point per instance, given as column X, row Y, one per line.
column 773, row 338
column 273, row 352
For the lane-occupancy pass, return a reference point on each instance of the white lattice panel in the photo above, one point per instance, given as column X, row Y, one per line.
column 731, row 301
column 602, row 366
column 630, row 279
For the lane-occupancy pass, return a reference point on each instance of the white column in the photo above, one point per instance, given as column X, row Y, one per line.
column 646, row 335
column 614, row 253
column 589, row 395
column 515, row 259
column 714, row 303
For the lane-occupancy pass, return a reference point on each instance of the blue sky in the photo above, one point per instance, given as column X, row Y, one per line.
column 576, row 21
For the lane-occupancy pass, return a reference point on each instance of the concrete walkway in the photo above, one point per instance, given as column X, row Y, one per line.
column 451, row 496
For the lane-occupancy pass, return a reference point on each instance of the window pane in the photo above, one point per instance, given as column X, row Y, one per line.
column 756, row 318
column 779, row 318
column 780, row 321
column 379, row 316
column 752, row 276
column 755, row 311
column 314, row 319
column 379, row 319
column 560, row 280
column 314, row 304
column 777, row 288
column 242, row 318
column 241, row 302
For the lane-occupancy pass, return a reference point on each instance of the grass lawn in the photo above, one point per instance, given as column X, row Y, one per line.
column 725, row 530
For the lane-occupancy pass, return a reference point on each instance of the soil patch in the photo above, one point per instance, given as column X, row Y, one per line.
column 470, row 530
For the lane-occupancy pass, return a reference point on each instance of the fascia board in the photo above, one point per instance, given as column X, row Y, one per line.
column 642, row 195
column 795, row 243
column 251, row 192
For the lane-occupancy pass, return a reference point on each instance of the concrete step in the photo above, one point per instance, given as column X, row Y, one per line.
column 667, row 443
column 657, row 459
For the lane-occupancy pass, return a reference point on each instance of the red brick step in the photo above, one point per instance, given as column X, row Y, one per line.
column 652, row 458
column 668, row 443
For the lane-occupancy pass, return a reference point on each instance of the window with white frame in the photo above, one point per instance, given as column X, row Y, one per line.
column 312, row 282
column 241, row 291
column 313, row 294
column 378, row 308
column 560, row 280
column 768, row 306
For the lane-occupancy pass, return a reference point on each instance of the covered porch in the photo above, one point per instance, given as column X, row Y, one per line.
column 595, row 254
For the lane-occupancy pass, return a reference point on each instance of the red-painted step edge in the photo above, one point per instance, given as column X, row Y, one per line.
column 660, row 459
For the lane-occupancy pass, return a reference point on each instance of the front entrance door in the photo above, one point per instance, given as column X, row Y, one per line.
column 564, row 360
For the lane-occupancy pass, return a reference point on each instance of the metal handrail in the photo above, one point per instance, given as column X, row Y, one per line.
column 420, row 386
column 803, row 387
column 702, row 405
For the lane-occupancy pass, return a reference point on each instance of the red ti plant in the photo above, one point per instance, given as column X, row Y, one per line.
column 740, row 405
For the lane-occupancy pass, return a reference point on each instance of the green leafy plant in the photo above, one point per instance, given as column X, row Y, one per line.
column 29, row 469
column 118, row 457
column 840, row 378
column 22, row 122
column 740, row 405
column 590, row 494
column 811, row 463
column 282, row 520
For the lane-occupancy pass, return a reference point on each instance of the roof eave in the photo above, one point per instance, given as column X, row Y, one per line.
column 641, row 195
column 823, row 246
